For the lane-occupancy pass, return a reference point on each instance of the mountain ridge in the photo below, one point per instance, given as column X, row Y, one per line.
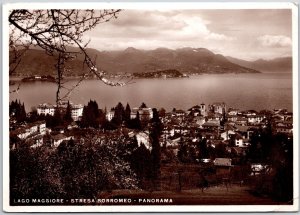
column 281, row 64
column 131, row 60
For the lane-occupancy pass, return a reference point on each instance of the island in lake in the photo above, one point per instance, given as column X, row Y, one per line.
column 170, row 73
column 48, row 78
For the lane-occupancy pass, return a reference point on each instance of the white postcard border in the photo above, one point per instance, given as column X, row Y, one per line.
column 151, row 6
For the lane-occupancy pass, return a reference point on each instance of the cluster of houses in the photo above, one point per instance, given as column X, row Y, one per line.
column 215, row 122
column 36, row 134
column 33, row 135
column 77, row 110
column 145, row 113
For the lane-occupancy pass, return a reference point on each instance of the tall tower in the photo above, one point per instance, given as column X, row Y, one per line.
column 203, row 109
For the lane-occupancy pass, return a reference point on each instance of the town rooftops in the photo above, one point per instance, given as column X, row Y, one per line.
column 136, row 109
column 242, row 128
column 179, row 111
column 256, row 116
column 210, row 124
column 222, row 162
column 238, row 150
column 17, row 131
column 78, row 106
column 63, row 104
column 218, row 103
column 238, row 136
column 59, row 137
column 46, row 105
column 251, row 112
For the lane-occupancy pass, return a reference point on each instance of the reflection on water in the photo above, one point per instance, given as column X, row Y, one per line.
column 243, row 91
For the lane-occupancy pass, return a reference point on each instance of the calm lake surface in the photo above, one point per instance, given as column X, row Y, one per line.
column 242, row 91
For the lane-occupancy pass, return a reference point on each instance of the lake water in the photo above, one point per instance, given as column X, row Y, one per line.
column 242, row 91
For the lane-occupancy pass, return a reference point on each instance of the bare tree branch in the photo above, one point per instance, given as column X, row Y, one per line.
column 55, row 31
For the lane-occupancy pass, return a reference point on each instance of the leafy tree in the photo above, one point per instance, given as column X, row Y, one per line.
column 192, row 154
column 255, row 152
column 156, row 122
column 90, row 115
column 33, row 116
column 281, row 158
column 203, row 149
column 68, row 115
column 140, row 162
column 276, row 150
column 119, row 115
column 127, row 113
column 220, row 150
column 162, row 112
column 143, row 105
column 17, row 110
column 101, row 118
column 33, row 174
column 72, row 171
column 155, row 152
column 134, row 142
column 135, row 123
column 154, row 139
column 182, row 153
column 57, row 118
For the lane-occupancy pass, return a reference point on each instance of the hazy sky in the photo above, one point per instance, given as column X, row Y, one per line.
column 245, row 34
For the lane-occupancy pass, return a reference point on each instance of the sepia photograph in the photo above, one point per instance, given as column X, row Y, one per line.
column 139, row 107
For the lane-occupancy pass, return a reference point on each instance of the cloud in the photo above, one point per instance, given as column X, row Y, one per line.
column 158, row 26
column 275, row 41
column 227, row 32
column 197, row 27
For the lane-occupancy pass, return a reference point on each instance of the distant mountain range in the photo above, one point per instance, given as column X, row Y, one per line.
column 131, row 60
column 283, row 64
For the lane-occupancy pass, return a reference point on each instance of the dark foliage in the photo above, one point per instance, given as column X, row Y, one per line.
column 17, row 110
column 68, row 115
column 119, row 115
column 71, row 171
column 91, row 116
column 140, row 162
column 275, row 150
column 127, row 113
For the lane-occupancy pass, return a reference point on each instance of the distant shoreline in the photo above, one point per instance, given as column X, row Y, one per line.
column 19, row 78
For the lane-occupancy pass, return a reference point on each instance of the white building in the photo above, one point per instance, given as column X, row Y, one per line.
column 227, row 134
column 109, row 115
column 199, row 120
column 144, row 113
column 32, row 133
column 76, row 112
column 143, row 138
column 255, row 119
column 233, row 112
column 203, row 109
column 46, row 108
column 59, row 138
column 222, row 162
column 241, row 142
column 218, row 107
column 32, row 129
